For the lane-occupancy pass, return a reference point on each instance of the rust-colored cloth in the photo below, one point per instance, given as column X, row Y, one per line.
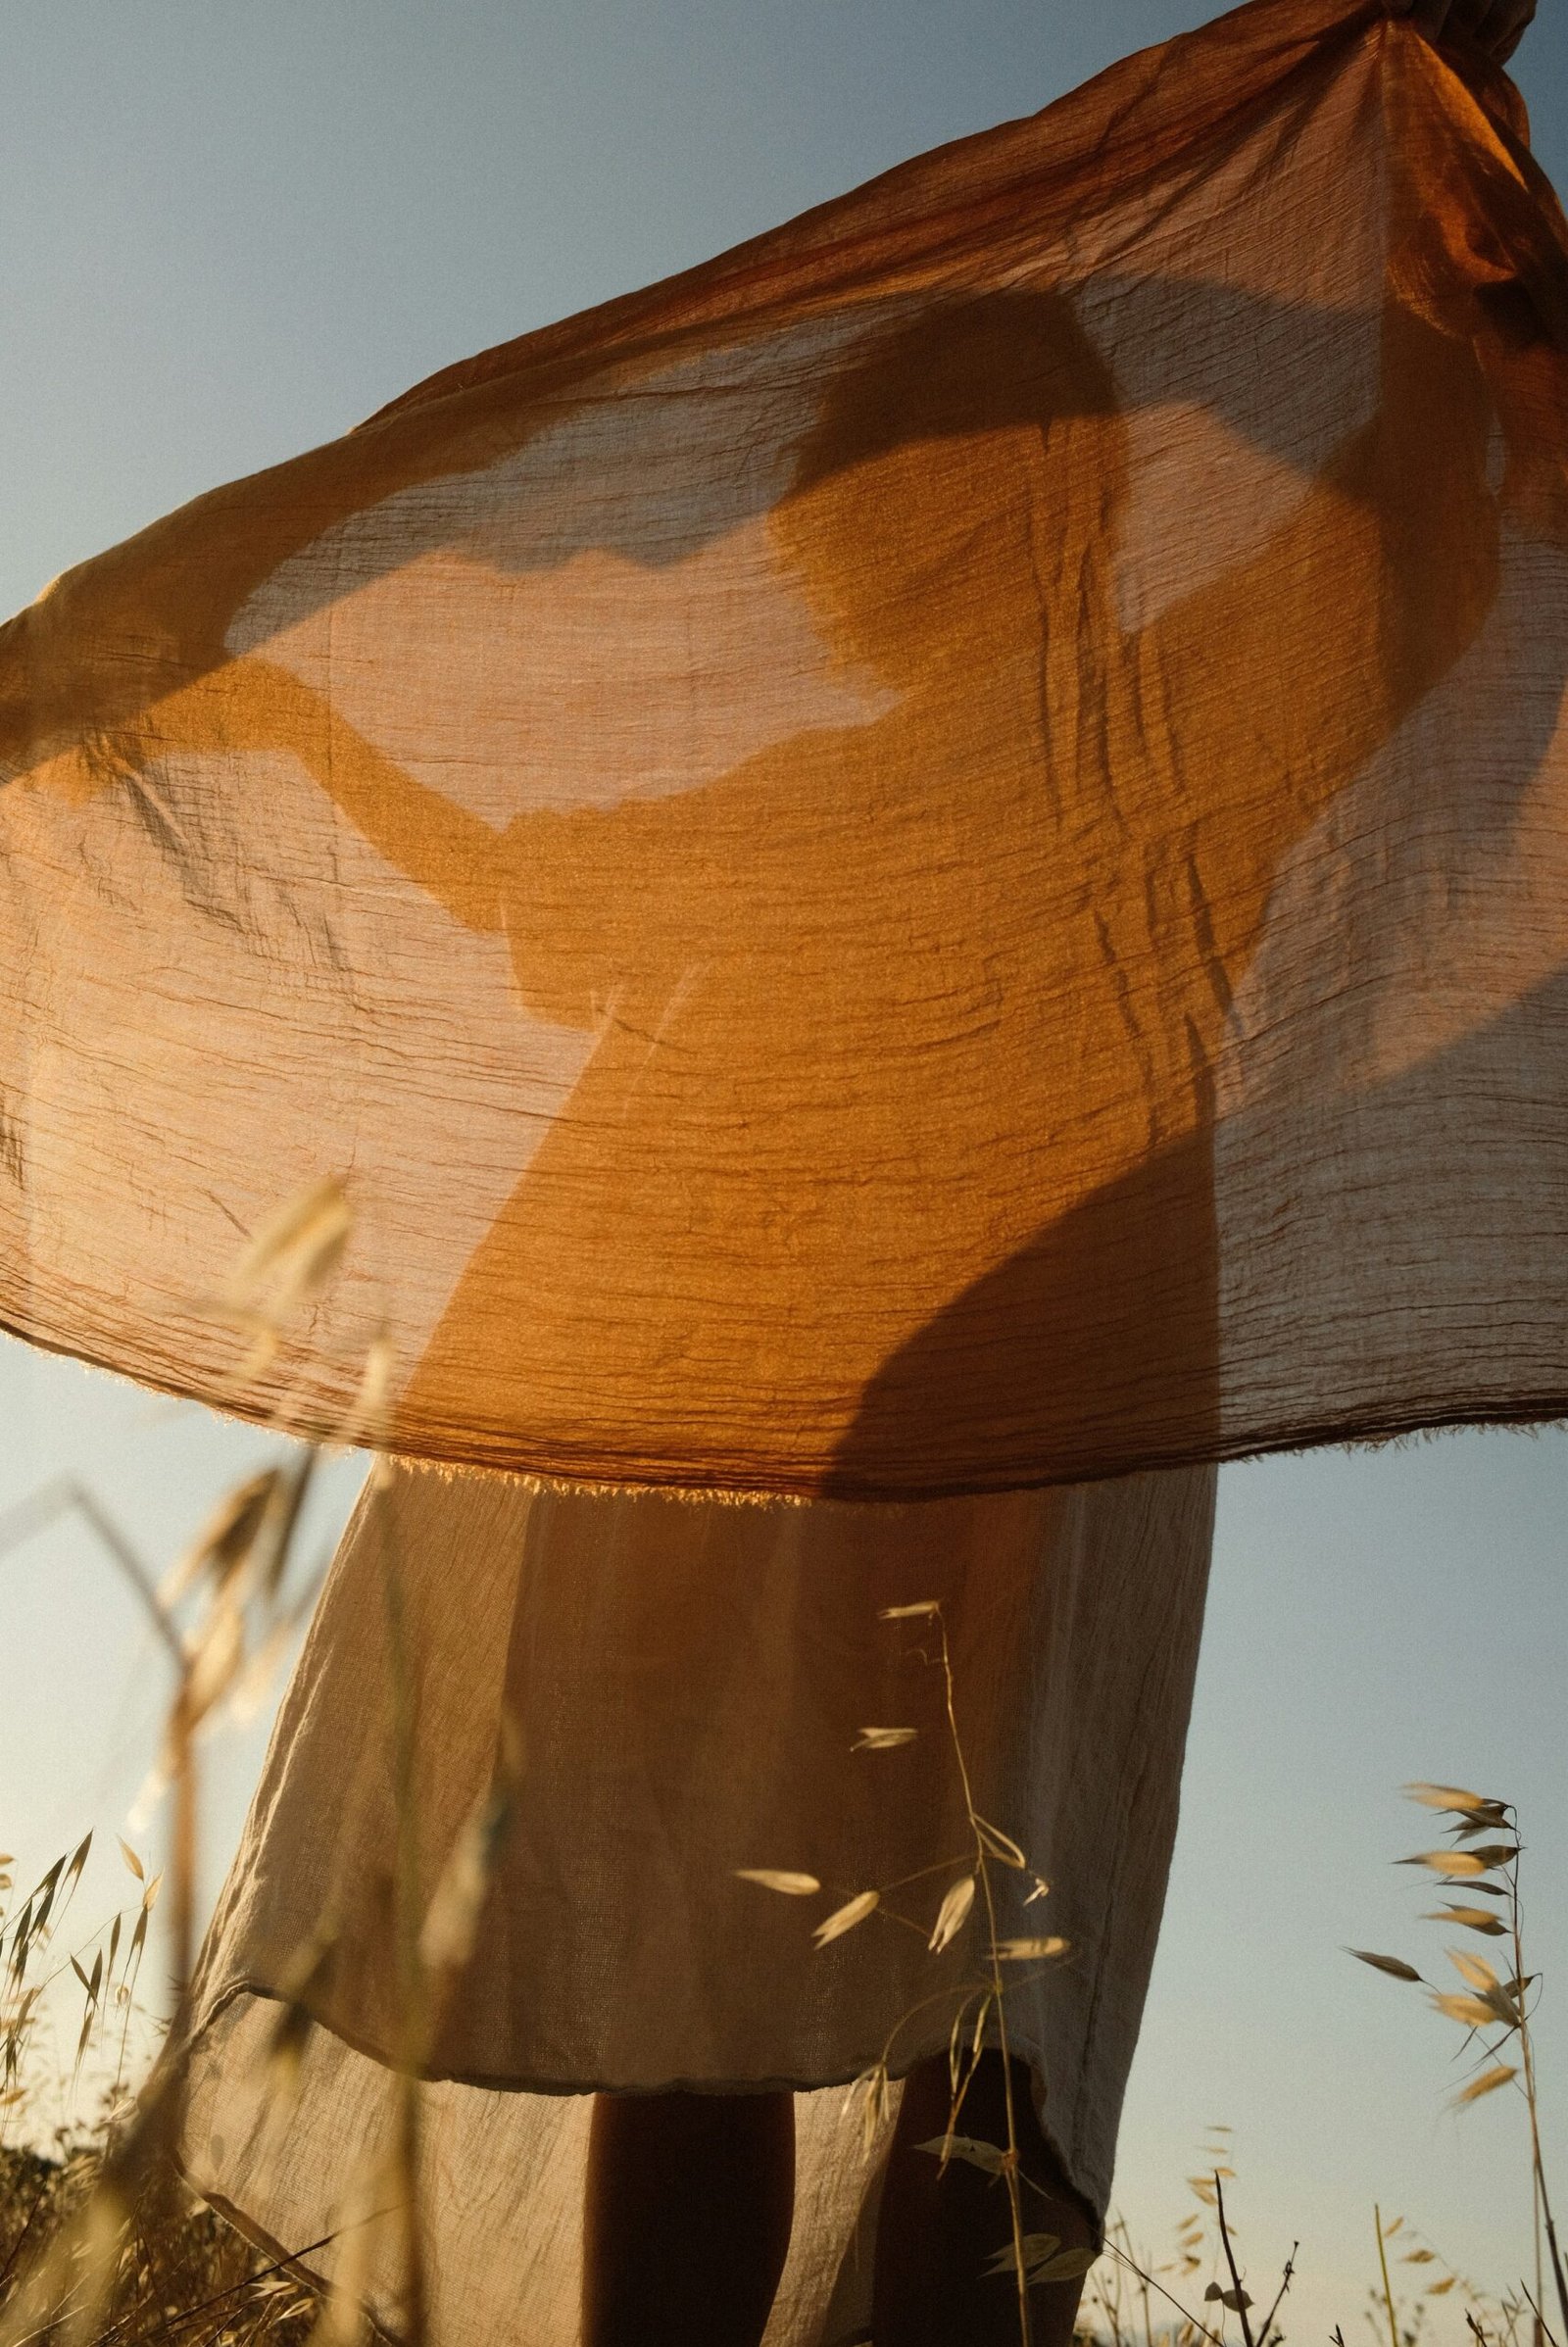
column 928, row 860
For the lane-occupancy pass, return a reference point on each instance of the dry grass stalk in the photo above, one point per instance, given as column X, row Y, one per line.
column 1483, row 1858
column 63, row 2274
column 1027, row 2258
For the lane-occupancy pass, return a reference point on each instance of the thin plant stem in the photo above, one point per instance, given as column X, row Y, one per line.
column 58, row 1500
column 183, row 1840
column 203, row 2306
column 1543, row 2326
column 15, row 2251
column 1142, row 2278
column 413, row 1998
column 1151, row 2282
column 1279, row 2296
column 999, row 1990
column 1230, row 2259
column 1516, row 1929
column 1387, row 2290
column 1542, row 2202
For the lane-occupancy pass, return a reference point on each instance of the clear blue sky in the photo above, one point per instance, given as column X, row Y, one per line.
column 232, row 230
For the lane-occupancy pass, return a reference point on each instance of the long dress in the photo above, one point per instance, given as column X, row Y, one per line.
column 677, row 1688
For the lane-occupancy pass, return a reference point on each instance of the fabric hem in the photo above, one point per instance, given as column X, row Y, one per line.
column 1371, row 1430
column 520, row 2082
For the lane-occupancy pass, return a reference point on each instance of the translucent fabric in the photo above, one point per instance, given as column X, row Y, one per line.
column 681, row 1686
column 928, row 860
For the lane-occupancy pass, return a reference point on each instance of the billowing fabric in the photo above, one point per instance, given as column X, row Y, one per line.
column 928, row 860
column 687, row 1681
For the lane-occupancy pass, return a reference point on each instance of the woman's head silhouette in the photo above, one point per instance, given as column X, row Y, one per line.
column 949, row 473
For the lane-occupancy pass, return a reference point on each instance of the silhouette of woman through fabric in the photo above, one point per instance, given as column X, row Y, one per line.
column 692, row 1676
column 1046, row 1058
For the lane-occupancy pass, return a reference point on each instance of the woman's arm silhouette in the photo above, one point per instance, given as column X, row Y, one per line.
column 253, row 704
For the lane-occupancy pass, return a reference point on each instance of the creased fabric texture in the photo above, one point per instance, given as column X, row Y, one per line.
column 928, row 860
column 687, row 1681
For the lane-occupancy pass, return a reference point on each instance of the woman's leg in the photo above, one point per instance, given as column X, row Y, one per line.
column 938, row 2229
column 687, row 2222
